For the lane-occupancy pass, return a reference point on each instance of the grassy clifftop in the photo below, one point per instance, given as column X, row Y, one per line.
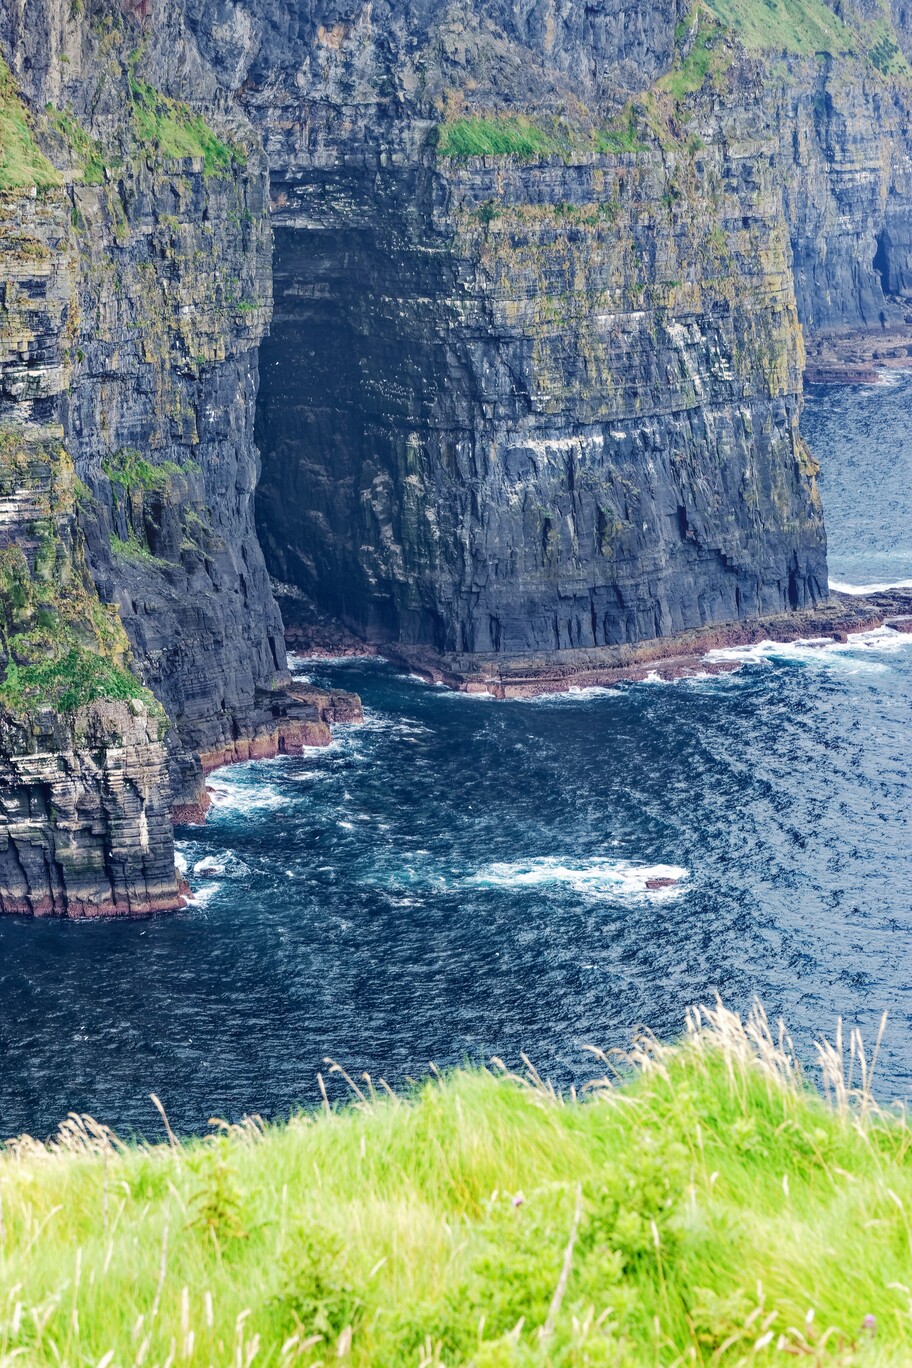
column 708, row 1210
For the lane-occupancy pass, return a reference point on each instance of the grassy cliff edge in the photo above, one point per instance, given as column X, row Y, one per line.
column 709, row 1208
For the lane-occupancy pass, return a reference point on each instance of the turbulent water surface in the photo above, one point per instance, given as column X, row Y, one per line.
column 460, row 877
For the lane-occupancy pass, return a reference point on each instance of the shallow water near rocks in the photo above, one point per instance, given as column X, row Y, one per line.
column 459, row 878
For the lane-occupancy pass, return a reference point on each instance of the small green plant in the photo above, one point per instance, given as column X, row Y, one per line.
column 128, row 468
column 217, row 1203
column 173, row 131
column 500, row 136
column 22, row 163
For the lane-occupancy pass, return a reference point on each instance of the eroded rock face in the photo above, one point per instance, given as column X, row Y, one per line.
column 524, row 405
column 135, row 290
column 521, row 404
column 85, row 815
column 549, row 402
column 517, row 408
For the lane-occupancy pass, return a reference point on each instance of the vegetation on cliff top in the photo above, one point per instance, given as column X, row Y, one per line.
column 784, row 25
column 709, row 1210
column 22, row 163
column 810, row 26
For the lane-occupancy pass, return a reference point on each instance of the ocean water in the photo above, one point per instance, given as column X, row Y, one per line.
column 459, row 877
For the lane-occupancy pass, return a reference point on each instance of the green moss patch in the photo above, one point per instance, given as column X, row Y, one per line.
column 67, row 683
column 60, row 646
column 129, row 469
column 500, row 136
column 22, row 163
column 623, row 135
column 85, row 150
column 173, row 131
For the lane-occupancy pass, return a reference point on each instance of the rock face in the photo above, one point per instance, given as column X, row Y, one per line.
column 537, row 408
column 549, row 400
column 85, row 816
column 533, row 386
column 135, row 290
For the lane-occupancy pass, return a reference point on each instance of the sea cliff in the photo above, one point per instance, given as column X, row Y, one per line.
column 544, row 284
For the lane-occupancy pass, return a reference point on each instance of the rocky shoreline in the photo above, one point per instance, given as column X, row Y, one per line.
column 858, row 357
column 304, row 717
column 667, row 658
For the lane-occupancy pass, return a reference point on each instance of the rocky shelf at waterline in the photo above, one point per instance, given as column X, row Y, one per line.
column 667, row 658
column 857, row 357
column 301, row 716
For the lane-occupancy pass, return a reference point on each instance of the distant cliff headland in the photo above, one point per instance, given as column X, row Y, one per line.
column 512, row 304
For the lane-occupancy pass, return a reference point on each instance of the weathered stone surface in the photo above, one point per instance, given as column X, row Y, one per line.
column 85, row 815
column 521, row 413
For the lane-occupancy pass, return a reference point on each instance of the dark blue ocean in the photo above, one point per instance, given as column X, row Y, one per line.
column 460, row 877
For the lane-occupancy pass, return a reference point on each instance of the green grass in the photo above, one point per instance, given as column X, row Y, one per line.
column 800, row 26
column 690, row 76
column 130, row 469
column 86, row 150
column 621, row 136
column 22, row 163
column 60, row 646
column 173, row 131
column 709, row 1211
column 65, row 684
column 500, row 136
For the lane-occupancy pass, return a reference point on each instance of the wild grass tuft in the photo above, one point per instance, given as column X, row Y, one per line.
column 174, row 131
column 499, row 136
column 22, row 163
column 701, row 1206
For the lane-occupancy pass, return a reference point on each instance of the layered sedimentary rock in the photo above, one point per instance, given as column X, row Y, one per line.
column 85, row 814
column 539, row 407
column 533, row 387
column 136, row 288
column 546, row 397
column 523, row 402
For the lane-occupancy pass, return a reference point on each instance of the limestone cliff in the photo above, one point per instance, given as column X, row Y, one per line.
column 543, row 277
column 136, row 288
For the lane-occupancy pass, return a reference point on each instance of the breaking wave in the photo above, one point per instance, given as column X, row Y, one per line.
column 599, row 878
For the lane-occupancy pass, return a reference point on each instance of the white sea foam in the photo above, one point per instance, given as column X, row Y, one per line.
column 863, row 589
column 201, row 896
column 208, row 865
column 577, row 693
column 820, row 652
column 180, row 861
column 598, row 878
column 297, row 661
column 244, row 797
